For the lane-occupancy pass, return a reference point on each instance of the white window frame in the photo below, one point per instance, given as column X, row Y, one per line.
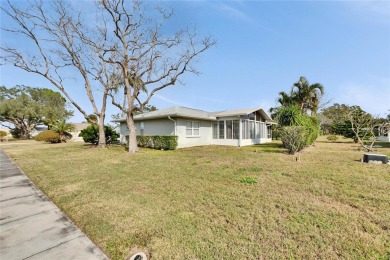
column 193, row 128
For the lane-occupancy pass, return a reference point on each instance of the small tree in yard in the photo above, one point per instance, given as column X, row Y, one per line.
column 63, row 128
column 298, row 130
column 365, row 127
column 353, row 122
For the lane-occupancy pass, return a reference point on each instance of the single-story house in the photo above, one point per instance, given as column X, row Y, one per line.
column 197, row 127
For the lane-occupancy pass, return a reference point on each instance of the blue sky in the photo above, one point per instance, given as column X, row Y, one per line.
column 264, row 47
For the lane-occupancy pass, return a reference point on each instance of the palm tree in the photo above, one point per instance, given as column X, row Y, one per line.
column 63, row 128
column 307, row 96
column 285, row 99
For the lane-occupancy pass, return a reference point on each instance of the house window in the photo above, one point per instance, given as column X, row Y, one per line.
column 215, row 130
column 244, row 127
column 257, row 130
column 269, row 131
column 251, row 130
column 221, row 129
column 252, row 116
column 236, row 129
column 141, row 128
column 229, row 129
column 192, row 128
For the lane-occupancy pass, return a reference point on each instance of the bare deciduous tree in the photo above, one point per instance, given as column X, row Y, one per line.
column 148, row 59
column 366, row 127
column 128, row 52
column 57, row 32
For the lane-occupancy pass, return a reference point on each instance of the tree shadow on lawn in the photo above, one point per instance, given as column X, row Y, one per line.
column 274, row 147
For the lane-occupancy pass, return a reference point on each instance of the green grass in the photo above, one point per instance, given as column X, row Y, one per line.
column 191, row 204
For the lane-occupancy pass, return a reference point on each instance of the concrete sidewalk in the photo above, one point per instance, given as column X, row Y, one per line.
column 31, row 226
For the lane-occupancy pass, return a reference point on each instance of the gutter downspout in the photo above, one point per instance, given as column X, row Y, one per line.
column 174, row 122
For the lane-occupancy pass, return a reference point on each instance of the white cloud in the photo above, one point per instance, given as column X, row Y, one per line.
column 233, row 12
column 167, row 100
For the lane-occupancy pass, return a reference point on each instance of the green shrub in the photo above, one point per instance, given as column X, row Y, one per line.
column 289, row 116
column 332, row 138
column 294, row 138
column 312, row 128
column 48, row 136
column 297, row 130
column 91, row 133
column 2, row 135
column 159, row 142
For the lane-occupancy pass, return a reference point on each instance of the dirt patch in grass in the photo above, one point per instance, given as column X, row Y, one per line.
column 191, row 204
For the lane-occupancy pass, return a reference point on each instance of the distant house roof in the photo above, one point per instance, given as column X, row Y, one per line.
column 80, row 126
column 185, row 112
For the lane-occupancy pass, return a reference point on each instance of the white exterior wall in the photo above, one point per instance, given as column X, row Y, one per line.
column 123, row 132
column 384, row 138
column 229, row 142
column 204, row 137
column 156, row 127
column 151, row 127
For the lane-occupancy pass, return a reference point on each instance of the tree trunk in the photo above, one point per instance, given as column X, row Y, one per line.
column 24, row 134
column 102, row 134
column 133, row 148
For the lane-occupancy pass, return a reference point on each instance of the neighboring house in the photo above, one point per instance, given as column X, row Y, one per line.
column 77, row 131
column 75, row 134
column 196, row 127
column 385, row 137
column 38, row 129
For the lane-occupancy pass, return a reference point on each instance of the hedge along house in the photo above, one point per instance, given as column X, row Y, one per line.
column 196, row 127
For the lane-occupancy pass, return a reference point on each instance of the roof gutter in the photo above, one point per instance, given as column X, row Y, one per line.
column 174, row 122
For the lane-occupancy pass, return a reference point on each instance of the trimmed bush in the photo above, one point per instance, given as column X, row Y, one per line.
column 48, row 136
column 294, row 138
column 297, row 130
column 333, row 138
column 159, row 142
column 91, row 133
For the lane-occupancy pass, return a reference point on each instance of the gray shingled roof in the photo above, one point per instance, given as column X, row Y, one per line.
column 178, row 111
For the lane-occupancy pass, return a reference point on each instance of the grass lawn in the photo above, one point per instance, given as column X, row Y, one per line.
column 197, row 203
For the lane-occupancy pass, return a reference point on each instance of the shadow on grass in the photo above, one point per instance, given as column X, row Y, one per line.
column 383, row 144
column 274, row 147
